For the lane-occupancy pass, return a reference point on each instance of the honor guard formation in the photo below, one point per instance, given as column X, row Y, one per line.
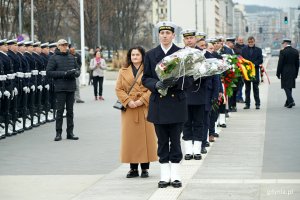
column 26, row 94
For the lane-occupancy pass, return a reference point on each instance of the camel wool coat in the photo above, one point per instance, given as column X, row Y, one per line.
column 139, row 142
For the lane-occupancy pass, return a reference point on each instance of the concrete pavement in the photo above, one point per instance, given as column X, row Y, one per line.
column 256, row 157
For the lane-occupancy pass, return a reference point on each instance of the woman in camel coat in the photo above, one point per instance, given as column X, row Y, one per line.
column 139, row 143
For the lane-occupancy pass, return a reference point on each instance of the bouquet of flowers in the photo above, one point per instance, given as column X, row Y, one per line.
column 178, row 64
column 210, row 67
column 188, row 62
column 230, row 77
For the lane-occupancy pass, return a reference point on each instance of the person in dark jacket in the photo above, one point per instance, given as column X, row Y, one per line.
column 287, row 70
column 63, row 68
column 254, row 54
column 167, row 113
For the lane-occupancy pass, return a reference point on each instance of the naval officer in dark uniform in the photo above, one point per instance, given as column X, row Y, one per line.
column 196, row 99
column 287, row 70
column 167, row 113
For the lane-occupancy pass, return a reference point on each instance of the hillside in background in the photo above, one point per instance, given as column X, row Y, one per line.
column 255, row 9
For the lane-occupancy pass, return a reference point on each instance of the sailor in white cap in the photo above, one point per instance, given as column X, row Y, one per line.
column 287, row 70
column 167, row 120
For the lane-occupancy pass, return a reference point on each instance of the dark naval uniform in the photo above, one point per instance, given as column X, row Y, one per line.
column 168, row 113
column 2, row 90
column 287, row 71
column 8, row 93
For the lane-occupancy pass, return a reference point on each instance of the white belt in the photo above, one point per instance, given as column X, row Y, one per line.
column 11, row 76
column 20, row 74
column 27, row 75
column 43, row 73
column 3, row 77
column 35, row 72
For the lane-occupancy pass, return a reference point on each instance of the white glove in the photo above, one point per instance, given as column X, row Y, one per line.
column 7, row 93
column 47, row 86
column 40, row 87
column 33, row 87
column 15, row 91
column 0, row 94
column 25, row 89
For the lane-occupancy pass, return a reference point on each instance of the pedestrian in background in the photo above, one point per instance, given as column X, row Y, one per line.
column 254, row 54
column 287, row 70
column 139, row 143
column 98, row 65
column 63, row 68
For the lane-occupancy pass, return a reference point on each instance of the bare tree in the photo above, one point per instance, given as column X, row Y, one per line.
column 8, row 18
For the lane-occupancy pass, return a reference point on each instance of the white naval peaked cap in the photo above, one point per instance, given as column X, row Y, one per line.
column 201, row 35
column 28, row 43
column 10, row 42
column 188, row 32
column 51, row 45
column 44, row 45
column 3, row 41
column 166, row 25
column 36, row 44
column 286, row 40
column 21, row 43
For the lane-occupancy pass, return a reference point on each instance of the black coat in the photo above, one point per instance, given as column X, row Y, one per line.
column 171, row 108
column 57, row 67
column 256, row 58
column 288, row 67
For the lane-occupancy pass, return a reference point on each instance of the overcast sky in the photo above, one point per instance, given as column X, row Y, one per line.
column 271, row 3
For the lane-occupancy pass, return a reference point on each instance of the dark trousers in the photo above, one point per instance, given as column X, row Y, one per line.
column 98, row 81
column 288, row 93
column 232, row 99
column 213, row 118
column 143, row 166
column 62, row 99
column 255, row 92
column 193, row 127
column 239, row 95
column 169, row 148
column 206, row 122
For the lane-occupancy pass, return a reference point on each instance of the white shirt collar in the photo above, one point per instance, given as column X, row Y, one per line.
column 166, row 50
column 3, row 52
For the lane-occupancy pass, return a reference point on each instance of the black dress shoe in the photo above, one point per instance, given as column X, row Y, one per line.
column 79, row 101
column 233, row 109
column 176, row 184
column 57, row 138
column 144, row 174
column 203, row 150
column 72, row 137
column 257, row 107
column 132, row 173
column 290, row 105
column 197, row 157
column 163, row 184
column 207, row 144
column 223, row 125
column 247, row 107
column 215, row 134
column 188, row 157
column 286, row 104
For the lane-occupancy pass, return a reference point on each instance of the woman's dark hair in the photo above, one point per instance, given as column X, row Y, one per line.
column 96, row 53
column 140, row 49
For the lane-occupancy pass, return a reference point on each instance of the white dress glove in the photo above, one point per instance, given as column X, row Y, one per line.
column 47, row 86
column 7, row 93
column 33, row 87
column 40, row 87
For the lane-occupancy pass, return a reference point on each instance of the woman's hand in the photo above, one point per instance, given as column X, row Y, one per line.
column 138, row 103
column 132, row 104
